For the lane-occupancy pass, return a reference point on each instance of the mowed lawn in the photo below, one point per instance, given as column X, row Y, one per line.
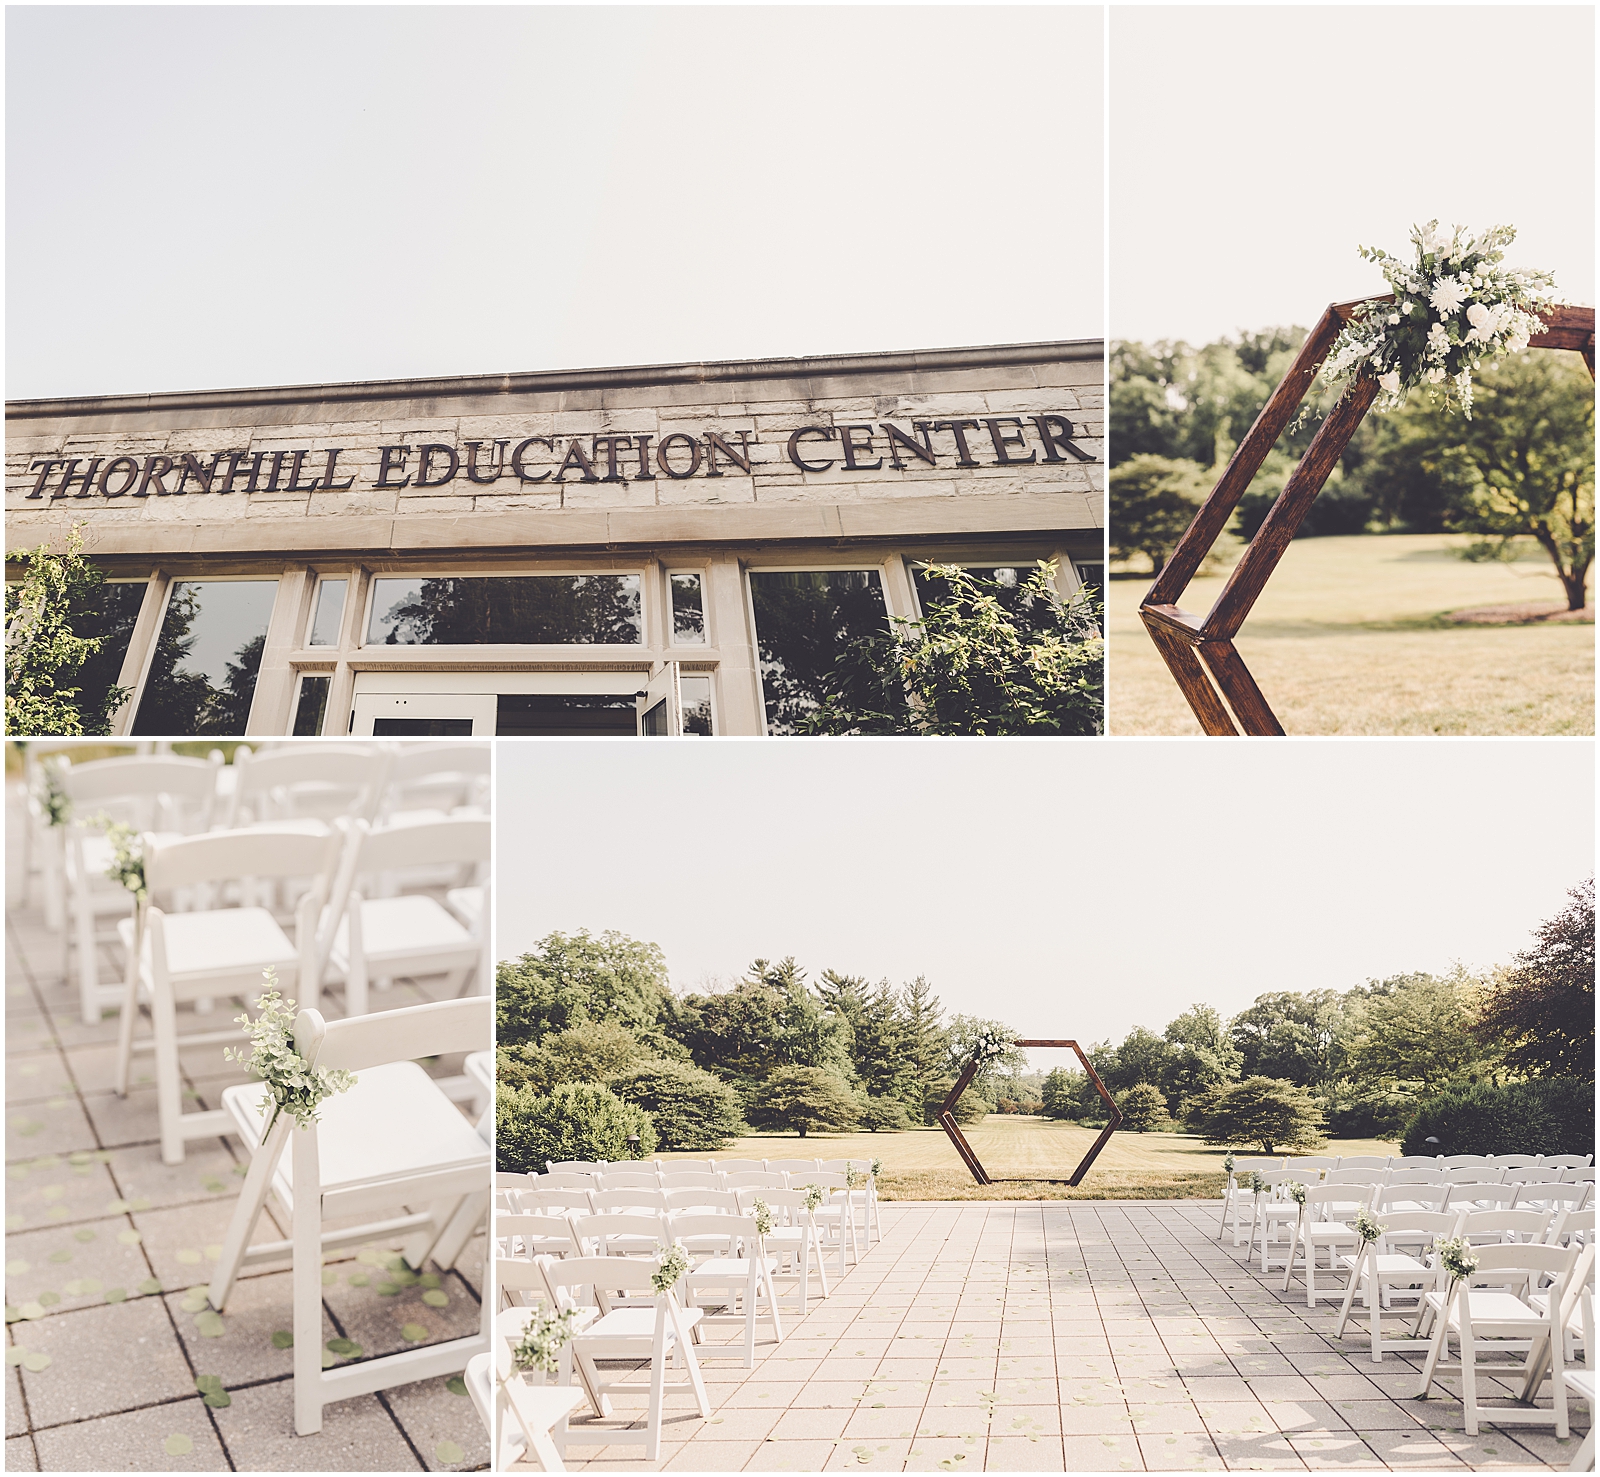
column 1350, row 637
column 923, row 1164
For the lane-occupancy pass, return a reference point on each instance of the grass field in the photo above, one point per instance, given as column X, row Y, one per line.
column 1350, row 637
column 923, row 1164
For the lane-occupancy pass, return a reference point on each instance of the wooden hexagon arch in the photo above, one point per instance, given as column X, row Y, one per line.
column 964, row 1149
column 1199, row 650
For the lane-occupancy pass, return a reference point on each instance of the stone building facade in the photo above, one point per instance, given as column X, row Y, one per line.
column 663, row 549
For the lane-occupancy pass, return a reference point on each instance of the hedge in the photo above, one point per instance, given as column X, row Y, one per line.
column 1547, row 1115
column 578, row 1120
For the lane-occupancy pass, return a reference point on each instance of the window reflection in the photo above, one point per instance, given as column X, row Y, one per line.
column 804, row 621
column 543, row 609
column 203, row 674
column 115, row 609
column 312, row 707
column 695, row 695
column 1025, row 609
column 688, row 610
column 330, row 606
column 541, row 714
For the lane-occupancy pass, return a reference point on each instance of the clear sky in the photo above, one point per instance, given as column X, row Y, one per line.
column 211, row 196
column 1254, row 148
column 1067, row 887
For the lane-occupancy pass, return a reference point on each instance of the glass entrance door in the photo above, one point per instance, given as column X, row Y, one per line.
column 510, row 704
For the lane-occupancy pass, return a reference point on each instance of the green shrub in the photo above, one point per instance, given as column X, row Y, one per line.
column 971, row 1107
column 578, row 1120
column 799, row 1099
column 1268, row 1113
column 885, row 1114
column 1144, row 1108
column 1373, row 1115
column 1549, row 1115
column 1061, row 1094
column 690, row 1107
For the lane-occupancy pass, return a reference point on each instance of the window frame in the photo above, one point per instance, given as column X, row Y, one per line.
column 703, row 574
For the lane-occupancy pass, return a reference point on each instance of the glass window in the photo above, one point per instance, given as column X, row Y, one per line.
column 688, row 610
column 312, row 707
column 203, row 674
column 1017, row 603
column 804, row 619
column 330, row 606
column 695, row 695
column 422, row 728
column 540, row 714
column 539, row 609
column 111, row 616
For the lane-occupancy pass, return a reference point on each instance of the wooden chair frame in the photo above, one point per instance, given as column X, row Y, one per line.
column 1199, row 650
column 964, row 1149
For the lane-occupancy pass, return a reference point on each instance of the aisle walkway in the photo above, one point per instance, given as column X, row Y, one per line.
column 1078, row 1336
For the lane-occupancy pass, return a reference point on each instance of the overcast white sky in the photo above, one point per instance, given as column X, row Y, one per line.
column 203, row 196
column 1254, row 148
column 1066, row 887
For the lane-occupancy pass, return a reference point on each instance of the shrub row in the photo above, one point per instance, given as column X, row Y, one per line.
column 1550, row 1115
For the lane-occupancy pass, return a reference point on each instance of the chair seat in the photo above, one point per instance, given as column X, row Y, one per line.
column 1492, row 1309
column 224, row 941
column 393, row 1123
column 1393, row 1263
column 409, row 928
column 1329, row 1231
column 723, row 1267
column 466, row 903
column 1581, row 1382
column 633, row 1323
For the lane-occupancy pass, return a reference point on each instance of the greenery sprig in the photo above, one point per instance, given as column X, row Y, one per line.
column 55, row 805
column 1257, row 1184
column 815, row 1195
column 877, row 1168
column 543, row 1340
column 127, row 854
column 1454, row 307
column 854, row 1179
column 1297, row 1193
column 1366, row 1225
column 1228, row 1161
column 674, row 1263
column 763, row 1217
column 1457, row 1257
column 294, row 1085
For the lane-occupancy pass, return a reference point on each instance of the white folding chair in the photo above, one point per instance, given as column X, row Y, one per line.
column 297, row 781
column 740, row 1166
column 1532, row 1174
column 1480, row 1196
column 755, row 1179
column 794, row 1240
column 525, row 1234
column 1416, row 1161
column 1514, row 1161
column 618, row 1233
column 528, row 1407
column 1322, row 1225
column 429, row 781
column 791, row 1167
column 1567, row 1161
column 685, row 1166
column 1236, row 1198
column 1488, row 1308
column 711, row 1202
column 161, row 793
column 1378, row 1269
column 1461, row 1161
column 733, row 1272
column 864, row 1196
column 381, row 938
column 1364, row 1161
column 835, row 1216
column 393, row 1142
column 215, row 953
column 690, row 1180
column 646, row 1198
column 1411, row 1189
column 576, row 1166
column 641, row 1325
column 1554, row 1198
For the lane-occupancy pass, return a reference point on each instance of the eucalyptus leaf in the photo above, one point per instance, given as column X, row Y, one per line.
column 345, row 1348
column 210, row 1325
column 448, row 1453
column 413, row 1333
column 456, row 1385
column 177, row 1444
column 282, row 1339
column 434, row 1298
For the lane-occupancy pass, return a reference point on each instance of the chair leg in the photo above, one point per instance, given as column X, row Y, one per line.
column 1469, row 1378
column 129, row 1013
column 469, row 1215
column 247, row 1213
column 1375, row 1308
column 88, row 963
column 1584, row 1460
column 1349, row 1294
column 169, row 1087
column 307, row 1286
column 1435, row 1351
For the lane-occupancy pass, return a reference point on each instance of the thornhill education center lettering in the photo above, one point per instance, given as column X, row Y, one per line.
column 678, row 548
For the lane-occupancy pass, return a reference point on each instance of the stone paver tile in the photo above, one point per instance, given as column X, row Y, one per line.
column 936, row 1454
column 1282, row 1387
column 66, row 1192
column 433, row 1417
column 129, row 1120
column 1256, row 1366
column 801, row 1456
column 811, row 1424
column 208, row 1172
column 19, row 1455
column 35, row 1075
column 712, row 1456
column 1156, row 1391
column 891, row 1423
column 1554, row 1450
column 1295, row 1416
column 1330, row 1449
column 1090, row 1391
column 1178, row 1452
column 16, row 1411
column 258, row 1307
column 967, row 1367
column 904, row 1367
column 357, row 1435
column 57, row 1125
column 183, row 1243
column 1102, row 1453
column 176, row 1437
column 764, row 1392
column 738, row 1423
column 387, row 1324
column 1379, row 1415
column 1166, row 1419
column 1410, row 1449
column 902, row 1394
column 1210, row 1388
column 1258, row 1452
column 76, row 1265
column 1025, row 1420
column 104, row 1359
column 1024, row 1454
column 1234, row 1418
column 1096, row 1420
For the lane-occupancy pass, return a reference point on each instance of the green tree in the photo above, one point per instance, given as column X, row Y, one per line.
column 927, row 1043
column 578, row 1120
column 770, row 1016
column 689, row 1108
column 44, row 657
column 1061, row 1093
column 1144, row 1108
column 1540, row 1011
column 805, row 1098
column 1524, row 464
column 591, row 1051
column 1291, row 1034
column 568, row 979
column 1265, row 1112
column 1202, row 1055
column 1418, row 1028
column 992, row 1043
column 1143, row 1056
column 885, row 1114
column 970, row 665
column 1153, row 500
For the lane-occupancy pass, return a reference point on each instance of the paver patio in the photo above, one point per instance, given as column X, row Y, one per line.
column 1078, row 1336
column 105, row 1244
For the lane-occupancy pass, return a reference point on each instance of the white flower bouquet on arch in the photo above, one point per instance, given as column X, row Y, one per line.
column 1454, row 307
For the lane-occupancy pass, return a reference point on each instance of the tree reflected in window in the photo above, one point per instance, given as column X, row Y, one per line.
column 203, row 673
column 805, row 620
column 530, row 610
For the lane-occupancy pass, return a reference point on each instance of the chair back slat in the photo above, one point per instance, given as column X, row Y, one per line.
column 218, row 856
column 436, row 1029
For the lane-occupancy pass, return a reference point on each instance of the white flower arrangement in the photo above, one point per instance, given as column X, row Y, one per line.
column 877, row 1168
column 127, row 854
column 1457, row 1257
column 1297, row 1193
column 543, row 1340
column 294, row 1085
column 854, row 1179
column 1257, row 1184
column 1365, row 1225
column 674, row 1263
column 763, row 1217
column 815, row 1195
column 1453, row 308
column 55, row 805
column 1228, row 1161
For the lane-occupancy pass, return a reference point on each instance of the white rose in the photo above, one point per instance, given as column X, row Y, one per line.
column 1393, row 318
column 1390, row 381
column 1434, row 376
